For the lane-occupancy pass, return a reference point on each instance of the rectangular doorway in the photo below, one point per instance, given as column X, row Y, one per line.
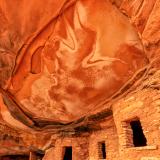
column 67, row 153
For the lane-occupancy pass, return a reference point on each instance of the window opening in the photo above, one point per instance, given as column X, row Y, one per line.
column 102, row 150
column 138, row 135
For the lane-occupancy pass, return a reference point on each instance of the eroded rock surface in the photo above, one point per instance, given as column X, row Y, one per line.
column 61, row 59
column 83, row 56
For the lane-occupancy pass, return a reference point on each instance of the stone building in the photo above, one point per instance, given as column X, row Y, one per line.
column 80, row 80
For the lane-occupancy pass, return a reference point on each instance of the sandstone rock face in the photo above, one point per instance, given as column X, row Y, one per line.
column 63, row 60
column 67, row 61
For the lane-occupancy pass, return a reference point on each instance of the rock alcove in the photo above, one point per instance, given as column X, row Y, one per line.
column 63, row 64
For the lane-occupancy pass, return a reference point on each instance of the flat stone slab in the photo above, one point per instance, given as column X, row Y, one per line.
column 150, row 158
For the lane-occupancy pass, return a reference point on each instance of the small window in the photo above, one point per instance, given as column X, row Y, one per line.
column 138, row 135
column 40, row 156
column 67, row 153
column 102, row 150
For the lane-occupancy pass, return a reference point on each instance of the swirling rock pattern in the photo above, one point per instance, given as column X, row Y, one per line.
column 60, row 60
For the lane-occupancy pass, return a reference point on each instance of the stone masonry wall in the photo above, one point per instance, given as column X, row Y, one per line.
column 116, row 132
column 109, row 135
column 144, row 105
column 79, row 148
column 85, row 147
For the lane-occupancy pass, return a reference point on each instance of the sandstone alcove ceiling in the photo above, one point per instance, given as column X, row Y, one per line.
column 57, row 69
column 65, row 62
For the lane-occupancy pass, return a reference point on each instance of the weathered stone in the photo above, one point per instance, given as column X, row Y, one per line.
column 76, row 73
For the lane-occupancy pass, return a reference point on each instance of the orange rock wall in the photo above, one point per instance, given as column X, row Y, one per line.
column 60, row 69
column 64, row 67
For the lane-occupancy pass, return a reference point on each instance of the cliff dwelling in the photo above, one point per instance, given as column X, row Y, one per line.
column 79, row 79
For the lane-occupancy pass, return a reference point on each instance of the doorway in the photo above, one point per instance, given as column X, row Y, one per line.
column 67, row 153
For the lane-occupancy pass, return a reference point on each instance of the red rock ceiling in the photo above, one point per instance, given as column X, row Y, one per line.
column 64, row 59
column 59, row 59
